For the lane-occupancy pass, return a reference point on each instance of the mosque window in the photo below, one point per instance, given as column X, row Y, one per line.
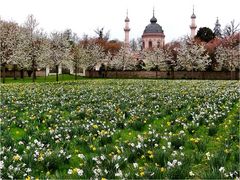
column 150, row 44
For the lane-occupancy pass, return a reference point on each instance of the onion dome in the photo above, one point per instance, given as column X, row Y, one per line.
column 127, row 19
column 153, row 19
column 193, row 15
column 154, row 27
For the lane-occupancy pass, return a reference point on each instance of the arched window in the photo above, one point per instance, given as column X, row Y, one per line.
column 143, row 45
column 150, row 44
column 158, row 44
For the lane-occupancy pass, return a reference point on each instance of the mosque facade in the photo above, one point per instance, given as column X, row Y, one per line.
column 153, row 35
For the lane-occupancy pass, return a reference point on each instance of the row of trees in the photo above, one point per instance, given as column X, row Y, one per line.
column 29, row 48
column 180, row 57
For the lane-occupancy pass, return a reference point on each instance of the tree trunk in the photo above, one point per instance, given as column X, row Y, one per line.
column 172, row 72
column 33, row 70
column 3, row 73
column 22, row 74
column 45, row 74
column 76, row 69
column 14, row 72
column 56, row 72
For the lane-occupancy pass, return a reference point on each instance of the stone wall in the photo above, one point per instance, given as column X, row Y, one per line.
column 214, row 75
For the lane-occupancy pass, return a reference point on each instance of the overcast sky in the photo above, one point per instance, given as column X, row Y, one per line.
column 84, row 16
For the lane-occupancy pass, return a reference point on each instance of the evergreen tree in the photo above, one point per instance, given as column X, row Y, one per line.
column 205, row 34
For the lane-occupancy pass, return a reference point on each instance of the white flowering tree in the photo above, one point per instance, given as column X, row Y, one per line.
column 156, row 60
column 59, row 50
column 108, row 59
column 31, row 54
column 192, row 58
column 227, row 59
column 123, row 60
column 94, row 55
column 8, row 42
column 78, row 57
column 32, row 44
column 43, row 60
column 21, row 55
column 77, row 53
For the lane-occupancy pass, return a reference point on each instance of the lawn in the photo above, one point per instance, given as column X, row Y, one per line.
column 109, row 128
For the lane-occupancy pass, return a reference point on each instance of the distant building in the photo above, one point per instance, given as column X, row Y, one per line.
column 217, row 29
column 193, row 26
column 127, row 30
column 153, row 35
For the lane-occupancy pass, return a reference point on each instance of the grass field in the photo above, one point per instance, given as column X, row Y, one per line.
column 108, row 129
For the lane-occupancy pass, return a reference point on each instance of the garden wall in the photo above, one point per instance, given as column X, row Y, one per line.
column 10, row 73
column 215, row 75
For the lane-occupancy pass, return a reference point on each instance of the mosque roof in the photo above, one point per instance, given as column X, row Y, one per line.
column 153, row 27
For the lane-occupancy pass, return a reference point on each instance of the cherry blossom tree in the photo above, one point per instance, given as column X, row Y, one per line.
column 31, row 53
column 123, row 60
column 32, row 42
column 73, row 57
column 59, row 50
column 78, row 57
column 192, row 58
column 156, row 60
column 227, row 59
column 8, row 42
column 107, row 61
column 94, row 56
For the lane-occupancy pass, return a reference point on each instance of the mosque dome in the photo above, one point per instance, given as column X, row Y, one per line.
column 153, row 27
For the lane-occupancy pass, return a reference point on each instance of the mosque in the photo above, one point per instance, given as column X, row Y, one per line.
column 153, row 34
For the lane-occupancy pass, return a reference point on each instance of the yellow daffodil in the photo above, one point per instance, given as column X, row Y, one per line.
column 141, row 173
column 150, row 152
column 162, row 169
column 16, row 157
column 95, row 126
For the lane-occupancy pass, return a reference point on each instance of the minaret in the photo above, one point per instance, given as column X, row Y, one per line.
column 127, row 29
column 193, row 25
